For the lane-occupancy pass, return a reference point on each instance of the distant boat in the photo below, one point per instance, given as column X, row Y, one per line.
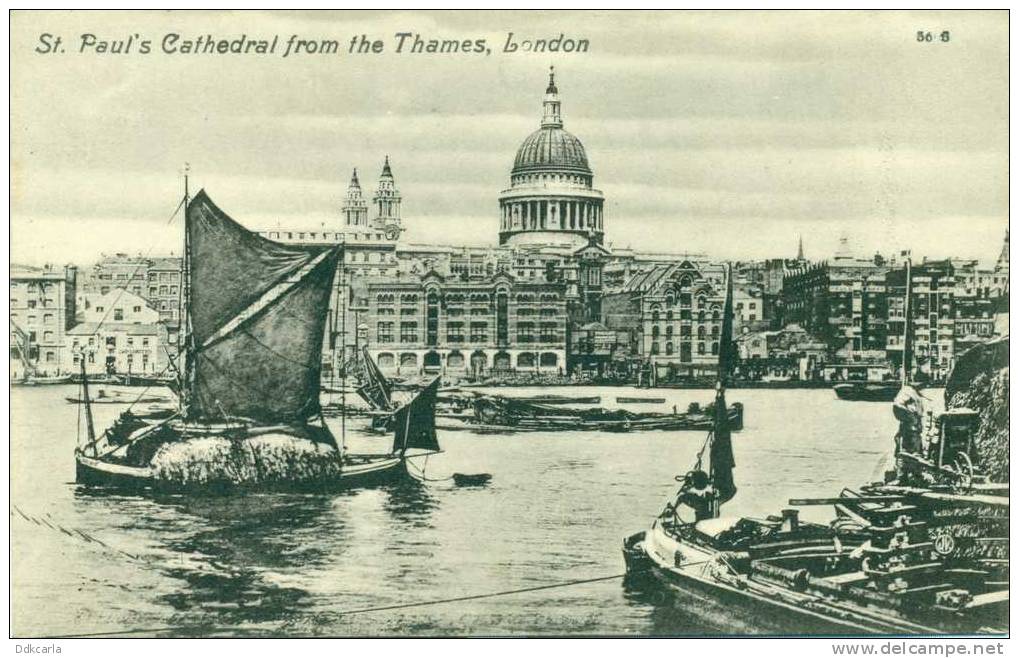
column 250, row 367
column 627, row 400
column 120, row 397
column 499, row 414
column 145, row 380
column 558, row 399
column 42, row 381
column 868, row 392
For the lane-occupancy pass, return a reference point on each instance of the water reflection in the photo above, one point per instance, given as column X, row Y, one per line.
column 410, row 502
column 226, row 553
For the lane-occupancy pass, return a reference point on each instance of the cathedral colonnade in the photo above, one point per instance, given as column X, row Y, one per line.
column 567, row 214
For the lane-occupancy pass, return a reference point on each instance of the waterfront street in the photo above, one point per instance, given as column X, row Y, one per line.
column 556, row 509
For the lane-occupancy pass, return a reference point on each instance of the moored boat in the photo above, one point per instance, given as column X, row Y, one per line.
column 637, row 400
column 121, row 397
column 250, row 373
column 39, row 380
column 558, row 399
column 867, row 391
column 471, row 479
column 492, row 414
column 147, row 381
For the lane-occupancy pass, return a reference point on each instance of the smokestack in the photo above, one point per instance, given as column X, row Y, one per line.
column 790, row 520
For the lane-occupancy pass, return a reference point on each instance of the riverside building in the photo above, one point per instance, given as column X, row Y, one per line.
column 43, row 306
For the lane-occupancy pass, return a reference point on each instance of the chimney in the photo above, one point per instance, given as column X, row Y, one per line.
column 790, row 520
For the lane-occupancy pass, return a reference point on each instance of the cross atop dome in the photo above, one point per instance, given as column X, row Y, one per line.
column 551, row 118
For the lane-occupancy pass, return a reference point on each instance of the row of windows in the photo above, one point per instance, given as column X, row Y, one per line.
column 42, row 303
column 111, row 341
column 685, row 299
column 48, row 318
column 152, row 276
column 32, row 286
column 137, row 290
column 550, row 178
column 685, row 331
column 457, row 331
column 92, row 358
column 314, row 235
column 47, row 337
column 368, row 257
column 33, row 355
column 702, row 316
column 477, row 360
column 670, row 348
column 460, row 298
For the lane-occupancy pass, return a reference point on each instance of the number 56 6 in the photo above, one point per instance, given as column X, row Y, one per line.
column 924, row 36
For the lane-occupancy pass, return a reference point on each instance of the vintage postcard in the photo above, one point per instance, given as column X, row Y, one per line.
column 509, row 323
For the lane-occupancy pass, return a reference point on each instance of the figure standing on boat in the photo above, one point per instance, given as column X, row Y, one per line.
column 698, row 495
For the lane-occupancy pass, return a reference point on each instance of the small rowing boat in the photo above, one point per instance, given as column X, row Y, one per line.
column 471, row 480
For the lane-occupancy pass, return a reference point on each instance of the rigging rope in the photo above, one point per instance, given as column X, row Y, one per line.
column 423, row 478
column 82, row 536
column 142, row 261
column 357, row 611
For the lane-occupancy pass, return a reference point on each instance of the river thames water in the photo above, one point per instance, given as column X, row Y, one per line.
column 556, row 510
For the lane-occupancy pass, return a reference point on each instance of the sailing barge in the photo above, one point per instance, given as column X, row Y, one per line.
column 924, row 553
column 500, row 414
column 250, row 373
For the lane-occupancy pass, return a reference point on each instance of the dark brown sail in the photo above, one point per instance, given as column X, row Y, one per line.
column 722, row 460
column 258, row 310
column 415, row 421
column 375, row 389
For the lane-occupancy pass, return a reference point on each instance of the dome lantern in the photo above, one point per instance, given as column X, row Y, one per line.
column 552, row 117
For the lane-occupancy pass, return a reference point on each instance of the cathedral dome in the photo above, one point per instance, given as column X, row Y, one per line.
column 551, row 199
column 551, row 147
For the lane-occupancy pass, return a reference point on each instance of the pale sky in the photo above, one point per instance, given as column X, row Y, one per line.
column 727, row 133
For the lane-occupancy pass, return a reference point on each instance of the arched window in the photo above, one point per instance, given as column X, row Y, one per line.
column 714, row 348
column 668, row 331
column 668, row 315
column 654, row 331
column 668, row 348
column 700, row 332
column 654, row 315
